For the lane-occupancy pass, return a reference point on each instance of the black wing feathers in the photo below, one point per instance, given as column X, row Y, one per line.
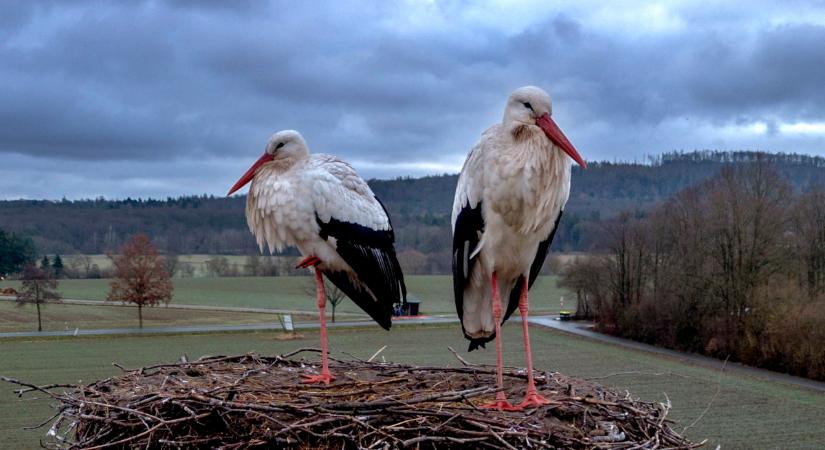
column 371, row 253
column 468, row 226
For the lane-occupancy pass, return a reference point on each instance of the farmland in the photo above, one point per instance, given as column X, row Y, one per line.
column 435, row 292
column 69, row 317
column 746, row 412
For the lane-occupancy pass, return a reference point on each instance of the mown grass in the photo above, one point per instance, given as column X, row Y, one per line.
column 290, row 292
column 746, row 413
column 68, row 317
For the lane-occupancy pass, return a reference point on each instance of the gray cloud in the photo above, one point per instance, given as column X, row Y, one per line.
column 148, row 84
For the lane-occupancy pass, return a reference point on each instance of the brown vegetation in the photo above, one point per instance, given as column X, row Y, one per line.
column 140, row 276
column 257, row 401
column 734, row 267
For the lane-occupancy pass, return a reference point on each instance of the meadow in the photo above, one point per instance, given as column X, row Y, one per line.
column 742, row 412
column 291, row 292
column 58, row 317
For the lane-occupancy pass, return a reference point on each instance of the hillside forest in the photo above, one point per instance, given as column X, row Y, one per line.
column 420, row 210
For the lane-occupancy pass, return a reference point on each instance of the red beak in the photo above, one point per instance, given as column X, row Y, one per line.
column 247, row 177
column 554, row 133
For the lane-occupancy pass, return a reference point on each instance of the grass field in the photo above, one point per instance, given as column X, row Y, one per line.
column 68, row 317
column 746, row 413
column 435, row 292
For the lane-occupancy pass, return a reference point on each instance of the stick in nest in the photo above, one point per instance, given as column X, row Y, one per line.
column 251, row 400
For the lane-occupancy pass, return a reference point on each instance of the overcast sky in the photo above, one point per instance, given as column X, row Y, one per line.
column 157, row 98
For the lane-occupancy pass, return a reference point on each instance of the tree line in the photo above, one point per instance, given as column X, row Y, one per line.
column 733, row 268
column 420, row 210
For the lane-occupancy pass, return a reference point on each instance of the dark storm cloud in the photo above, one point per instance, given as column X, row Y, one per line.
column 187, row 82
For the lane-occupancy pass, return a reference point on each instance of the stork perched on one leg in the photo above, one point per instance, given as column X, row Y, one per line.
column 320, row 205
column 508, row 203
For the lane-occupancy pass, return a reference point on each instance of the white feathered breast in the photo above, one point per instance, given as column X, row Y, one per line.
column 282, row 205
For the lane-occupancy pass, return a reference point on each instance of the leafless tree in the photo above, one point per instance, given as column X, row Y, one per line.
column 809, row 239
column 584, row 276
column 219, row 266
column 38, row 288
column 86, row 263
column 334, row 295
column 253, row 265
column 186, row 270
column 172, row 264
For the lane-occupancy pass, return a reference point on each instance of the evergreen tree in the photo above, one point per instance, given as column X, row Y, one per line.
column 15, row 252
column 57, row 266
column 45, row 263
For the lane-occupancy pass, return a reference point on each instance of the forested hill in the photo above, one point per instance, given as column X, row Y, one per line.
column 420, row 208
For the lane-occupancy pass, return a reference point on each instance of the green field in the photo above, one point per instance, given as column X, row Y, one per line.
column 58, row 317
column 289, row 292
column 747, row 412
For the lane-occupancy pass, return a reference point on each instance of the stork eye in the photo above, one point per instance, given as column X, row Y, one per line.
column 528, row 106
column 279, row 146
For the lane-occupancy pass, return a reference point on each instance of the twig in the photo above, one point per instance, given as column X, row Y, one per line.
column 246, row 401
column 712, row 399
column 460, row 359
column 376, row 353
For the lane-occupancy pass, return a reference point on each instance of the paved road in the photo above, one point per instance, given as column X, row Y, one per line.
column 241, row 309
column 583, row 329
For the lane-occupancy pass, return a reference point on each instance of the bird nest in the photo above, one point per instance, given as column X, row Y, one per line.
column 246, row 401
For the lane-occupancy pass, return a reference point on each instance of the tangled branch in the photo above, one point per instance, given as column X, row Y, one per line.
column 245, row 401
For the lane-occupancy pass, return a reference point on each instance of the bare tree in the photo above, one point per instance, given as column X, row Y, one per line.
column 140, row 276
column 253, row 265
column 86, row 263
column 746, row 222
column 186, row 270
column 585, row 276
column 172, row 263
column 809, row 239
column 38, row 288
column 219, row 266
column 334, row 295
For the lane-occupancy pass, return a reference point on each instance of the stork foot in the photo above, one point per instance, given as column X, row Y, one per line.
column 309, row 261
column 533, row 400
column 325, row 378
column 500, row 404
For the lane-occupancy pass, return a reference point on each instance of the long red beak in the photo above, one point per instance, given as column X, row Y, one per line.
column 247, row 177
column 554, row 133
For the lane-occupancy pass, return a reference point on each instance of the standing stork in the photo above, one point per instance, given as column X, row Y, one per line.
column 320, row 205
column 508, row 203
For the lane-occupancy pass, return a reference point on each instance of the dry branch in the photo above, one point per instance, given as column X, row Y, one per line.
column 246, row 401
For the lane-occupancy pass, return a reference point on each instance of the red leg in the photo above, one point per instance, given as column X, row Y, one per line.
column 532, row 398
column 501, row 402
column 325, row 377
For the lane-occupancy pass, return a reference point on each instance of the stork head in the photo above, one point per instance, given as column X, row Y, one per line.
column 286, row 147
column 531, row 106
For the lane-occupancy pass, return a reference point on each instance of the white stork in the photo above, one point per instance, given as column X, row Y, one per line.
column 508, row 202
column 320, row 205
